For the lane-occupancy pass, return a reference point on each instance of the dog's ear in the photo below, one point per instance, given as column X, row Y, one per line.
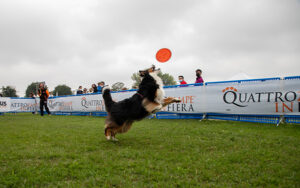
column 147, row 71
column 152, row 68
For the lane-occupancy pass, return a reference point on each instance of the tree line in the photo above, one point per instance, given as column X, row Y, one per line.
column 63, row 89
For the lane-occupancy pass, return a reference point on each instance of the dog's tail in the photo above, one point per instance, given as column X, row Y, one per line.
column 107, row 98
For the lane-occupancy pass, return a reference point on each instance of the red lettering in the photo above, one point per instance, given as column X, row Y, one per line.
column 287, row 107
column 192, row 98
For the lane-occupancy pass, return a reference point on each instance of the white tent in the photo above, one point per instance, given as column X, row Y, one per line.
column 240, row 76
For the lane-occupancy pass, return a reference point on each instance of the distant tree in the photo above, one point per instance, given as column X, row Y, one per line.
column 117, row 86
column 136, row 80
column 167, row 79
column 62, row 90
column 31, row 88
column 9, row 91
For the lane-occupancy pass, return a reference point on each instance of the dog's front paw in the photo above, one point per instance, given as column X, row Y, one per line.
column 176, row 100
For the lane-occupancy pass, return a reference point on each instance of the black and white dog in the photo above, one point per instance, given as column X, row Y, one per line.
column 148, row 99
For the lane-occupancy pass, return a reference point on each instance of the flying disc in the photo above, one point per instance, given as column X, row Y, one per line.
column 163, row 55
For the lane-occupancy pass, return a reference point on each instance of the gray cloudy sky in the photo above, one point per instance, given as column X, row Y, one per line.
column 78, row 42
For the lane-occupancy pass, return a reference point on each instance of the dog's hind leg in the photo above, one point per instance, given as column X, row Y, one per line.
column 110, row 133
column 125, row 127
column 107, row 132
column 111, row 129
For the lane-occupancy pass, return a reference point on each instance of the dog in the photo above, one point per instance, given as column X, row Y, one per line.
column 148, row 99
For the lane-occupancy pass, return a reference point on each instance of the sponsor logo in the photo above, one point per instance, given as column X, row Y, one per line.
column 60, row 106
column 98, row 104
column 3, row 104
column 284, row 101
column 23, row 106
column 232, row 97
column 186, row 105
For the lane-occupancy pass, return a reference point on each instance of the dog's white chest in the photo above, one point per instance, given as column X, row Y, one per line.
column 160, row 93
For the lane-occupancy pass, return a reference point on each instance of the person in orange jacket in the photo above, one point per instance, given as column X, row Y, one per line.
column 44, row 94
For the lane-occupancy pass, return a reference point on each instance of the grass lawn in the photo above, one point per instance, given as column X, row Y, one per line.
column 62, row 151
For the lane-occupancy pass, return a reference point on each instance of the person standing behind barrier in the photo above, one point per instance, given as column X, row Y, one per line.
column 199, row 78
column 44, row 94
column 85, row 91
column 95, row 90
column 79, row 91
column 31, row 95
column 100, row 86
column 181, row 80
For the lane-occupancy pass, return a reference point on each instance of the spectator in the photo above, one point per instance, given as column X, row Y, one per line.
column 181, row 80
column 91, row 90
column 79, row 91
column 44, row 94
column 94, row 87
column 31, row 95
column 85, row 91
column 199, row 78
column 100, row 86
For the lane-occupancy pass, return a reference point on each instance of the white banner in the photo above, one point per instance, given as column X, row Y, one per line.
column 84, row 103
column 270, row 97
column 20, row 105
column 4, row 104
column 261, row 97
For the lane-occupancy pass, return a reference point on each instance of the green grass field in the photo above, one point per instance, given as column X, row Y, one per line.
column 71, row 151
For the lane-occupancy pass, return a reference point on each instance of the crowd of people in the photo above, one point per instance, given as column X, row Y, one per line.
column 98, row 88
column 199, row 78
column 94, row 89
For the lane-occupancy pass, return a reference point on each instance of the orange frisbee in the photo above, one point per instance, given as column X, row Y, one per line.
column 163, row 55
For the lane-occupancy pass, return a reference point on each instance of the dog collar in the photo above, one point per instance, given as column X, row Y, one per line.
column 140, row 95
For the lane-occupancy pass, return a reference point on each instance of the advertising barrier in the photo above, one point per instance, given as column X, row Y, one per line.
column 5, row 104
column 232, row 100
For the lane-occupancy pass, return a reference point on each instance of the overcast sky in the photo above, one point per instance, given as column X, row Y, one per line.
column 80, row 42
